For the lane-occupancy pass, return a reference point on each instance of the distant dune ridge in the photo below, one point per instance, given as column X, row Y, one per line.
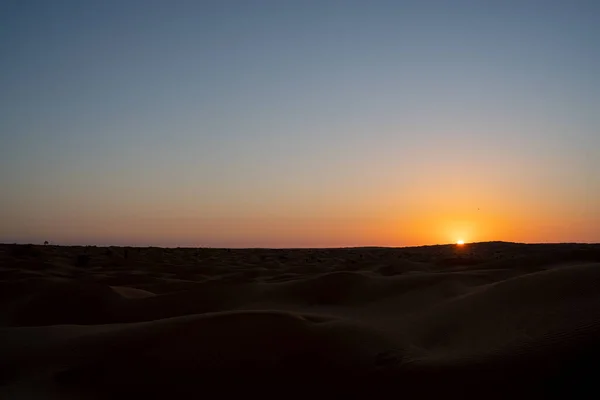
column 483, row 320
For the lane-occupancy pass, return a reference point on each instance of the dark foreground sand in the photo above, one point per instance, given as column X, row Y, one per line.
column 487, row 320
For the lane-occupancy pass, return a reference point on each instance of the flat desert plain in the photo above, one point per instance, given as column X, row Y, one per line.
column 482, row 320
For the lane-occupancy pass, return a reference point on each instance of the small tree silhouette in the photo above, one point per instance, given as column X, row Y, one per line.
column 45, row 243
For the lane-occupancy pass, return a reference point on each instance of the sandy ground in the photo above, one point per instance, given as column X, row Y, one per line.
column 486, row 320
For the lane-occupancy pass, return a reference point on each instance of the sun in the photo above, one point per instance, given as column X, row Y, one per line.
column 460, row 242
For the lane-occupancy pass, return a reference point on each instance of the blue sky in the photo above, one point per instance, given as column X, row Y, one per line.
column 277, row 123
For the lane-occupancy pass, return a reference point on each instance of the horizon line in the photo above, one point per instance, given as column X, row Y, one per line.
column 294, row 248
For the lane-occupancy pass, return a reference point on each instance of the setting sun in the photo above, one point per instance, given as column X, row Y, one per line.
column 460, row 242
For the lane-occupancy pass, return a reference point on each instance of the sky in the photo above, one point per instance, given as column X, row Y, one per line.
column 299, row 123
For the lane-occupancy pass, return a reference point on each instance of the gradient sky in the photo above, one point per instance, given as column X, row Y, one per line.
column 299, row 123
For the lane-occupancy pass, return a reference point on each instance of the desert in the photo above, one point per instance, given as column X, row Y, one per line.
column 496, row 318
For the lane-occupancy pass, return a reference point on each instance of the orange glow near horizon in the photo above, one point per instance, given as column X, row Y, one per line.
column 314, row 231
column 439, row 212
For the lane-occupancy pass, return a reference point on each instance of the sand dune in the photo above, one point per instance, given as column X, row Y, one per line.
column 489, row 320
